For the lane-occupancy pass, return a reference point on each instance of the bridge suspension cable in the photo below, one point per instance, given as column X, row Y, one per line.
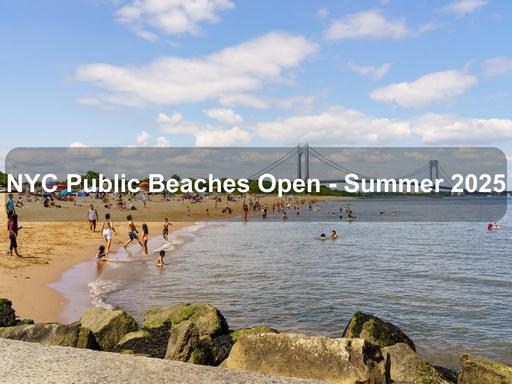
column 273, row 165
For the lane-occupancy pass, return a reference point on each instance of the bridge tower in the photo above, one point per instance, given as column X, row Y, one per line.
column 433, row 171
column 303, row 154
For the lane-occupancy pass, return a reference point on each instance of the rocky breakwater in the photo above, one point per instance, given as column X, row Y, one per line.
column 370, row 350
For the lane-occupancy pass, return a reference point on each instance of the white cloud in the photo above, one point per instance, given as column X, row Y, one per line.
column 176, row 124
column 77, row 144
column 498, row 66
column 374, row 72
column 453, row 129
column 162, row 142
column 228, row 75
column 224, row 116
column 335, row 126
column 143, row 138
column 323, row 12
column 464, row 7
column 170, row 17
column 430, row 88
column 222, row 138
column 369, row 24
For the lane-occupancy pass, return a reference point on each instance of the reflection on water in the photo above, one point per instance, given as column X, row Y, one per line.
column 447, row 285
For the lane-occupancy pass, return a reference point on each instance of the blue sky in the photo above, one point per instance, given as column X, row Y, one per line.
column 232, row 72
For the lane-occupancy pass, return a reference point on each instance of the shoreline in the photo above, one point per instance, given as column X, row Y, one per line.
column 50, row 249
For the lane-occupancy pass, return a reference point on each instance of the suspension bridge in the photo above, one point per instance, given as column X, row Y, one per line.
column 305, row 162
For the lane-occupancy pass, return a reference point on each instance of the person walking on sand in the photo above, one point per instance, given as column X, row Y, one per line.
column 107, row 231
column 13, row 228
column 133, row 233
column 92, row 215
column 145, row 238
column 10, row 206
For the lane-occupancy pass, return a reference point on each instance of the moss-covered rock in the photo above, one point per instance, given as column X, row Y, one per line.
column 375, row 330
column 7, row 314
column 108, row 326
column 476, row 370
column 206, row 318
column 406, row 366
column 187, row 344
column 49, row 334
column 146, row 342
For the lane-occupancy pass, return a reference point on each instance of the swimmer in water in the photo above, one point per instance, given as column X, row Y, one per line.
column 160, row 260
column 101, row 255
column 323, row 237
column 333, row 235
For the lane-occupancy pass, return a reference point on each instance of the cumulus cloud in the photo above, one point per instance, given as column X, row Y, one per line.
column 464, row 7
column 498, row 66
column 77, row 144
column 369, row 24
column 453, row 129
column 430, row 88
column 224, row 116
column 232, row 74
column 170, row 17
column 342, row 126
column 374, row 72
column 335, row 126
column 143, row 138
column 162, row 142
column 222, row 138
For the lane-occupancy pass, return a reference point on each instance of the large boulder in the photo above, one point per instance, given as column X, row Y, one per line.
column 476, row 370
column 375, row 330
column 205, row 317
column 221, row 345
column 187, row 344
column 143, row 342
column 7, row 314
column 341, row 361
column 407, row 367
column 108, row 326
column 49, row 334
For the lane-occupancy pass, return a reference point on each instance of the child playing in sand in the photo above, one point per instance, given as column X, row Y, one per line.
column 165, row 229
column 132, row 232
column 145, row 238
column 160, row 260
column 100, row 256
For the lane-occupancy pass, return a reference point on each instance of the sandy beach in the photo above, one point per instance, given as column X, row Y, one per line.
column 51, row 248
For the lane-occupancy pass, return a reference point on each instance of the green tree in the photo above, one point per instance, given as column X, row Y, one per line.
column 3, row 179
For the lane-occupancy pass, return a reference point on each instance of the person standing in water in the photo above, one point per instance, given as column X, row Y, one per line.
column 107, row 231
column 133, row 233
column 92, row 215
column 145, row 238
column 165, row 229
column 160, row 260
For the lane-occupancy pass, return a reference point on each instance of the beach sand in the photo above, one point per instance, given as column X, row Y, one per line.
column 51, row 248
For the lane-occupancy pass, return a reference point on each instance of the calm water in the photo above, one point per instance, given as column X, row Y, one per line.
column 447, row 285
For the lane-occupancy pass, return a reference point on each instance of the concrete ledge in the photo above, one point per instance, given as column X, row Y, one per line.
column 22, row 362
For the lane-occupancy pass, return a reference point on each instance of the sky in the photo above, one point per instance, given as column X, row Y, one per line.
column 256, row 73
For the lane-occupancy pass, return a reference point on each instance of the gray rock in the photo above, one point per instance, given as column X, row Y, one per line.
column 320, row 358
column 375, row 330
column 7, row 314
column 49, row 334
column 108, row 326
column 188, row 345
column 407, row 367
column 476, row 370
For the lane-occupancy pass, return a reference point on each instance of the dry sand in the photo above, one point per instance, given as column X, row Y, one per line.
column 50, row 248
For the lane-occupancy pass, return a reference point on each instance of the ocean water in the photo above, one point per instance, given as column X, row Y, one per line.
column 447, row 285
